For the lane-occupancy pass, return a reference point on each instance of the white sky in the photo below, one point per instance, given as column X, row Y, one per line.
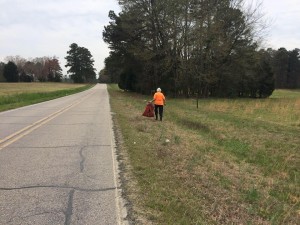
column 36, row 28
column 284, row 17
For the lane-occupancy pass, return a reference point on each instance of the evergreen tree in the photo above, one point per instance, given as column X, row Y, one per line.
column 280, row 67
column 10, row 72
column 25, row 77
column 293, row 75
column 2, row 78
column 81, row 64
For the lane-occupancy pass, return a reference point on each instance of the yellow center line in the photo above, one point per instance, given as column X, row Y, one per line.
column 26, row 130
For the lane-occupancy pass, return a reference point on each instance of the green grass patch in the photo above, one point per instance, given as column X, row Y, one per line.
column 228, row 162
column 281, row 93
column 15, row 95
column 252, row 195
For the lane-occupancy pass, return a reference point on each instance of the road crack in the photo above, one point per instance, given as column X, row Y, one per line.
column 82, row 159
column 69, row 211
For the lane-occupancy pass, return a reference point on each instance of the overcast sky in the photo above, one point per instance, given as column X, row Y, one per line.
column 36, row 28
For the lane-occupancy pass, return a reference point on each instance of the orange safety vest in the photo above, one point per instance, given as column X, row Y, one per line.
column 159, row 98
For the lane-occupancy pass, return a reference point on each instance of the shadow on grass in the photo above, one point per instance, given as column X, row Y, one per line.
column 194, row 125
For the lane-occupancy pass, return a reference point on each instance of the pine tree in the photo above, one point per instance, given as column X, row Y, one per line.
column 81, row 64
column 10, row 72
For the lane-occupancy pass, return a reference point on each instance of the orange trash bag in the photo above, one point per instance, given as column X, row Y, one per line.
column 149, row 110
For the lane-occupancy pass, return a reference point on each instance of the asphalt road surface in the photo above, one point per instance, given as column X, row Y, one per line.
column 57, row 163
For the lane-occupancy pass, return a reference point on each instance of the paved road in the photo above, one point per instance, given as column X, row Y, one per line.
column 57, row 163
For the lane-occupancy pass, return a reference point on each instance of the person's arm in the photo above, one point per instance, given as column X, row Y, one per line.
column 153, row 98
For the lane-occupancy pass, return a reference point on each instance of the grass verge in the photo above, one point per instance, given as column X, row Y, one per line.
column 228, row 162
column 21, row 94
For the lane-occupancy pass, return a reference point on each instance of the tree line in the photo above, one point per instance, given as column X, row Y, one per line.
column 43, row 69
column 190, row 47
column 40, row 69
column 286, row 67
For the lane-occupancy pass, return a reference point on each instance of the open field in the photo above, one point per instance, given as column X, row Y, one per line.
column 14, row 95
column 231, row 161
